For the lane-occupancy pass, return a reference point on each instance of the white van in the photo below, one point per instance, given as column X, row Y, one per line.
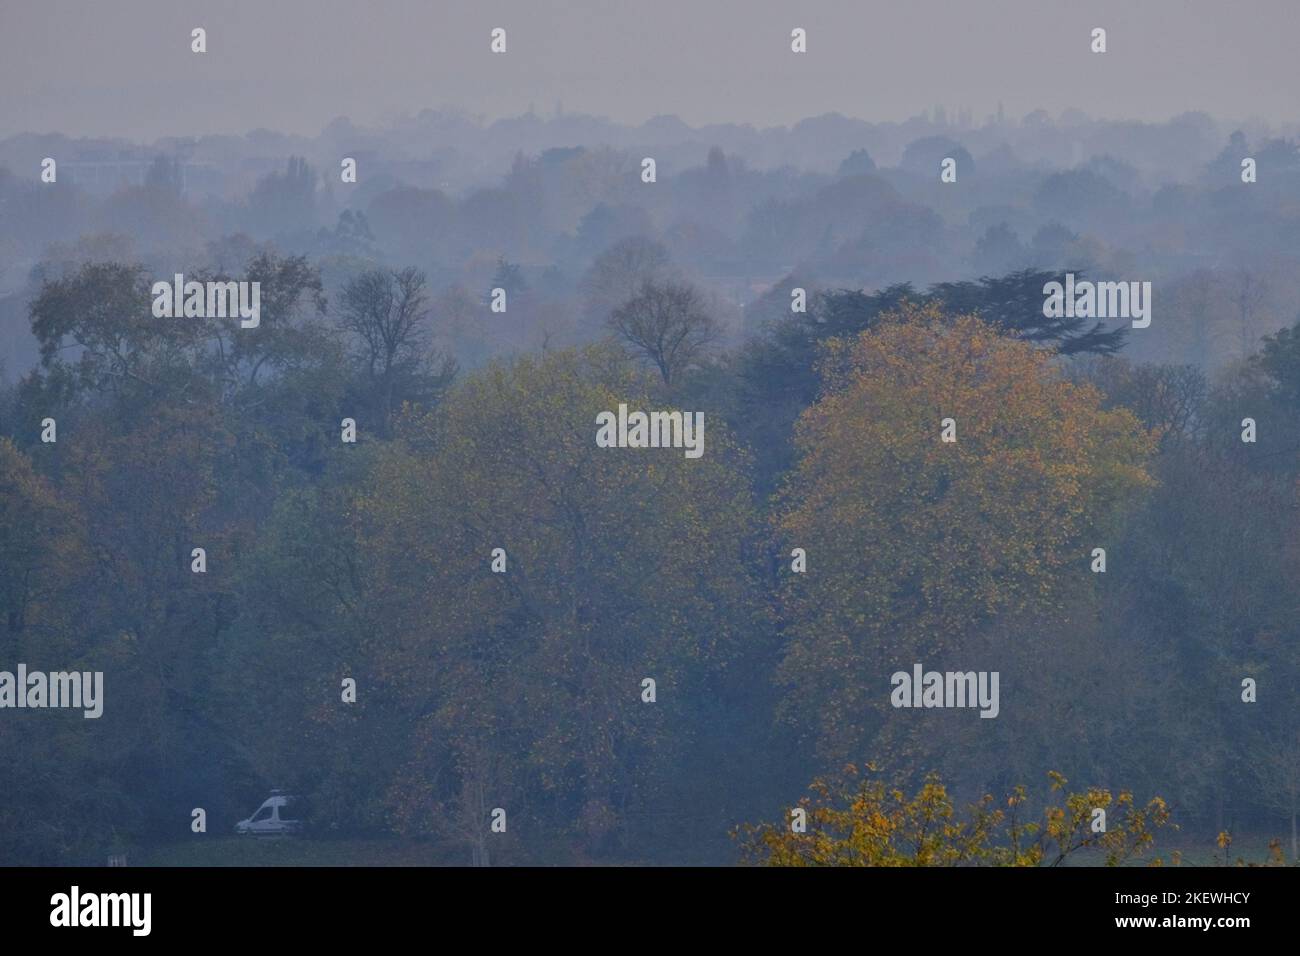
column 280, row 814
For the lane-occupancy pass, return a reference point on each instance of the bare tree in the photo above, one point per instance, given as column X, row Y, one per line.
column 1247, row 293
column 1196, row 302
column 668, row 324
column 1276, row 767
column 1168, row 398
column 386, row 311
column 619, row 272
column 465, row 817
column 388, row 314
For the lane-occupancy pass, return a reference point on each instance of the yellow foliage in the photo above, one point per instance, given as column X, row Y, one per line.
column 869, row 824
column 920, row 541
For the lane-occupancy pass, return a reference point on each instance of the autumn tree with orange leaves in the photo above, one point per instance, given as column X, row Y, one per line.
column 915, row 544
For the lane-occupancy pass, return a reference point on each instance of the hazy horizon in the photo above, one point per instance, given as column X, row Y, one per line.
column 83, row 70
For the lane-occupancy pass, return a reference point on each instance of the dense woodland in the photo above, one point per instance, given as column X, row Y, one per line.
column 475, row 690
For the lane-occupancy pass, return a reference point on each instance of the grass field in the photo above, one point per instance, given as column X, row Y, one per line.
column 252, row 851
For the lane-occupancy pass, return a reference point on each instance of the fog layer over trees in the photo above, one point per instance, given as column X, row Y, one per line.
column 472, row 302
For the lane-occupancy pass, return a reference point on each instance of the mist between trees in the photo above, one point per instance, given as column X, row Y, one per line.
column 473, row 339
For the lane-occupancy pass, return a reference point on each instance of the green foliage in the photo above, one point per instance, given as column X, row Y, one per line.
column 530, row 682
column 373, row 561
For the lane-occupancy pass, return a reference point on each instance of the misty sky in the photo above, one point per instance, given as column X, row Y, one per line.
column 124, row 68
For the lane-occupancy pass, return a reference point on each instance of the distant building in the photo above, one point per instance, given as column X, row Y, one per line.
column 104, row 176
